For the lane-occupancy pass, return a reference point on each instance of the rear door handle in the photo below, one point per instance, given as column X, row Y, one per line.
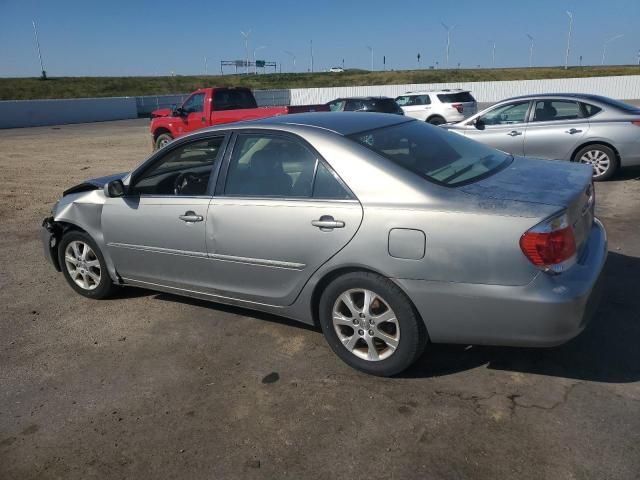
column 514, row 133
column 327, row 222
column 572, row 131
column 191, row 217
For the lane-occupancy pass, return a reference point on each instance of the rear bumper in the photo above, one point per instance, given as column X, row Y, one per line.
column 548, row 311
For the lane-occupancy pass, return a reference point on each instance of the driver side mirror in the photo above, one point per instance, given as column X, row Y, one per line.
column 114, row 189
column 179, row 112
column 479, row 124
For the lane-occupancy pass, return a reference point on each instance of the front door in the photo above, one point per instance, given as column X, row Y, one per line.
column 502, row 127
column 280, row 215
column 156, row 233
column 416, row 106
column 555, row 130
column 193, row 110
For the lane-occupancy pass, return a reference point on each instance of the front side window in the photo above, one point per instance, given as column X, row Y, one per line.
column 336, row 106
column 554, row 110
column 183, row 171
column 435, row 154
column 506, row 114
column 194, row 104
column 404, row 101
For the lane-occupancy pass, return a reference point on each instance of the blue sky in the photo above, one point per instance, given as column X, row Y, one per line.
column 156, row 37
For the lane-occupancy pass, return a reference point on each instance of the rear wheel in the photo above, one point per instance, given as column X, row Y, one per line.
column 371, row 324
column 162, row 140
column 602, row 159
column 436, row 120
column 83, row 266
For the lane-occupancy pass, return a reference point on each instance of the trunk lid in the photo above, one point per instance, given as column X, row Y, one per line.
column 565, row 185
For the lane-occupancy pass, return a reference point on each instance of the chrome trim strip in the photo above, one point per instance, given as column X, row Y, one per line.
column 261, row 262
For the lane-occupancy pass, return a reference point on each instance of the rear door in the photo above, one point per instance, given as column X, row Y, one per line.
column 416, row 106
column 279, row 213
column 503, row 127
column 555, row 129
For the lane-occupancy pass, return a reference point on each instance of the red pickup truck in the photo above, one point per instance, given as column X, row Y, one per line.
column 213, row 106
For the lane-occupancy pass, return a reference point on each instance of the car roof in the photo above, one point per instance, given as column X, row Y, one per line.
column 342, row 123
column 442, row 90
column 584, row 96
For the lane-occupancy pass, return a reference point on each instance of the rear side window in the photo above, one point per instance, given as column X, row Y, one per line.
column 327, row 186
column 384, row 105
column 590, row 110
column 460, row 97
column 225, row 99
column 555, row 110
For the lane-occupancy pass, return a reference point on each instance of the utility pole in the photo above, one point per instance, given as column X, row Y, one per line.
column 246, row 47
column 530, row 50
column 418, row 59
column 43, row 76
column 371, row 50
column 446, row 27
column 566, row 58
column 311, row 49
column 206, row 69
column 606, row 42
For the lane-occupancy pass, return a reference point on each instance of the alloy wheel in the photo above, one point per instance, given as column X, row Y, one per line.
column 366, row 325
column 599, row 161
column 83, row 265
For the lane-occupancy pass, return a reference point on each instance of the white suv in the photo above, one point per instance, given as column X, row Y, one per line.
column 438, row 106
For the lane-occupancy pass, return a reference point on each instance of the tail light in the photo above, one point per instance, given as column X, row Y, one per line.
column 636, row 123
column 550, row 245
column 458, row 106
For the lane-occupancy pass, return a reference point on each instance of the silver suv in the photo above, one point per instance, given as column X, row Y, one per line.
column 438, row 106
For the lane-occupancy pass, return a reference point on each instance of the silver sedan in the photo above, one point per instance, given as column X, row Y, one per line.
column 599, row 131
column 386, row 232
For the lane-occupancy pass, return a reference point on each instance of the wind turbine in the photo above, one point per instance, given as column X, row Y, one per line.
column 530, row 50
column 566, row 58
column 246, row 46
column 604, row 45
column 371, row 51
column 448, row 29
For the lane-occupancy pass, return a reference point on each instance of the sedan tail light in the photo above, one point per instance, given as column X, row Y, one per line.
column 550, row 245
column 458, row 106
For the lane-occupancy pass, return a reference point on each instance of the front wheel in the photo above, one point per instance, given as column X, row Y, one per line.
column 602, row 159
column 83, row 266
column 371, row 324
column 162, row 140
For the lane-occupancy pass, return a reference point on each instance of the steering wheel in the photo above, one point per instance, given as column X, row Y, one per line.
column 184, row 179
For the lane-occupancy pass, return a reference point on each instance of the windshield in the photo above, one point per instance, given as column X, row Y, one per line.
column 436, row 154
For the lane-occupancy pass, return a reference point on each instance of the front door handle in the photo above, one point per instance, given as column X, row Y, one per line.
column 572, row 131
column 327, row 223
column 191, row 217
column 514, row 133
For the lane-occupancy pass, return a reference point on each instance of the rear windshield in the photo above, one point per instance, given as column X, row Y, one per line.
column 436, row 154
column 384, row 105
column 233, row 99
column 460, row 97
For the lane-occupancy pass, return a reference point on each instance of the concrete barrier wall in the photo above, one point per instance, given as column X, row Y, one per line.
column 34, row 113
column 31, row 113
column 620, row 87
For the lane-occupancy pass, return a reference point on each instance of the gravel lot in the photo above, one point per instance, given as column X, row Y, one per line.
column 156, row 386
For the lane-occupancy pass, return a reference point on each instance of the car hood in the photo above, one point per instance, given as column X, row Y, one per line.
column 94, row 183
column 161, row 112
column 549, row 182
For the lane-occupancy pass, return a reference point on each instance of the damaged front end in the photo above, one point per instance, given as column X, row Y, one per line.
column 51, row 235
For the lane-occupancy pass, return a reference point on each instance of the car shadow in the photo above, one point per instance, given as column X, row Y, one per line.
column 627, row 173
column 606, row 351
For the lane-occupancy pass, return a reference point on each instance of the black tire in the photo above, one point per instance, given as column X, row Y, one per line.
column 96, row 290
column 436, row 120
column 162, row 140
column 412, row 332
column 595, row 151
